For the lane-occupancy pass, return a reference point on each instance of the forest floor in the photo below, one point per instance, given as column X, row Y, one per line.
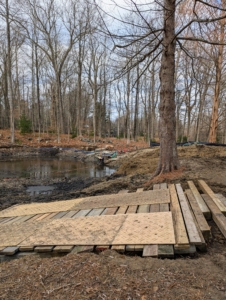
column 110, row 275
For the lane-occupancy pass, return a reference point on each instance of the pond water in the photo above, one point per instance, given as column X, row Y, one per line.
column 50, row 168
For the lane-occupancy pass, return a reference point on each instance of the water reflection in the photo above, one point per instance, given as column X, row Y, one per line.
column 47, row 168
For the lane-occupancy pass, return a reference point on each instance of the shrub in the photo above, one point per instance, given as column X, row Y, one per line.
column 24, row 124
column 73, row 133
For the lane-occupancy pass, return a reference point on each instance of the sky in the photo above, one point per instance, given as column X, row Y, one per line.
column 111, row 5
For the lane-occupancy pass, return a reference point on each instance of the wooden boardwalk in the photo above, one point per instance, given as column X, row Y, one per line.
column 161, row 223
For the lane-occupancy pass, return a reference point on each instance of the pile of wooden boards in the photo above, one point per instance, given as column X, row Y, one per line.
column 190, row 210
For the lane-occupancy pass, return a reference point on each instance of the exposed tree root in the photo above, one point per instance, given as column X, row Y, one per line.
column 165, row 177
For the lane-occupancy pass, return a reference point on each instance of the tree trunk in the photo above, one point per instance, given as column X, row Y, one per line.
column 9, row 75
column 219, row 63
column 168, row 150
column 128, row 108
column 136, row 105
column 152, row 102
column 38, row 91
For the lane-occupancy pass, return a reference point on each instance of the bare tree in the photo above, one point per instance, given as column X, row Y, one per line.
column 160, row 38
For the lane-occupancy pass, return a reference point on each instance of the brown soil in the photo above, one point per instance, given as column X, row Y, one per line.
column 113, row 276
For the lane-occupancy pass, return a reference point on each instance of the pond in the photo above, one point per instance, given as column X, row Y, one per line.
column 50, row 168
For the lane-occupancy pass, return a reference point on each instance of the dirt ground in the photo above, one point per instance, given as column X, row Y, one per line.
column 110, row 275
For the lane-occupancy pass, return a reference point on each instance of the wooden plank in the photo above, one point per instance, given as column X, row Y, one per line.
column 207, row 190
column 190, row 251
column 138, row 248
column 132, row 209
column 25, row 218
column 81, row 213
column 203, row 246
column 164, row 207
column 165, row 251
column 51, row 215
column 26, row 248
column 6, row 220
column 192, row 231
column 217, row 215
column 14, row 220
column 163, row 186
column 59, row 215
column 118, row 248
column 156, row 186
column 130, row 248
column 221, row 198
column 122, row 210
column 65, row 249
column 10, row 250
column 95, row 212
column 82, row 249
column 179, row 227
column 110, row 211
column 43, row 248
column 143, row 209
column 201, row 203
column 69, row 214
column 42, row 216
column 154, row 208
column 33, row 218
column 150, row 250
column 201, row 221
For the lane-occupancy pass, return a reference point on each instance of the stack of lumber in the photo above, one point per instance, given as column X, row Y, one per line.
column 186, row 211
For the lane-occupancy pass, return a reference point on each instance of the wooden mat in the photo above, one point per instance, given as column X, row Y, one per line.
column 39, row 208
column 155, row 228
column 147, row 197
column 14, row 234
column 141, row 229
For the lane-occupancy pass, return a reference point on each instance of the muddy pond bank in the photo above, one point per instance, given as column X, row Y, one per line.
column 133, row 170
column 40, row 175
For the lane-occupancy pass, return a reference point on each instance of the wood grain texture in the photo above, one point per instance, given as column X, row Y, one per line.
column 203, row 225
column 217, row 215
column 207, row 190
column 10, row 250
column 118, row 248
column 192, row 230
column 179, row 226
column 150, row 251
column 201, row 203
column 221, row 198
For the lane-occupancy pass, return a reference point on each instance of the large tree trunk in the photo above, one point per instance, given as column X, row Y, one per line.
column 168, row 150
column 219, row 65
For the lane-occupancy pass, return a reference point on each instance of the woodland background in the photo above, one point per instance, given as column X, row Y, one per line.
column 60, row 72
